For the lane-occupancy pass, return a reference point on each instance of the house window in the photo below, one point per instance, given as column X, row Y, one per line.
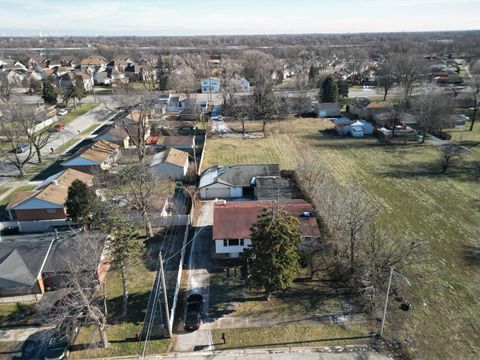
column 51, row 211
column 242, row 243
column 225, row 243
column 233, row 242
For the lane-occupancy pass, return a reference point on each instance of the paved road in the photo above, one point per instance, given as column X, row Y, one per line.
column 72, row 130
column 332, row 353
column 199, row 278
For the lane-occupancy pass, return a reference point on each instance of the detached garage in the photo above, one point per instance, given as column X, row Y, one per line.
column 238, row 181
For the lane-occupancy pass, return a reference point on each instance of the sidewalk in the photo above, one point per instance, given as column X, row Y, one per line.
column 353, row 352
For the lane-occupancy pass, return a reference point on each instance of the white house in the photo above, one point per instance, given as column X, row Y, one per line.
column 210, row 85
column 244, row 85
column 327, row 109
column 233, row 220
column 226, row 182
column 171, row 163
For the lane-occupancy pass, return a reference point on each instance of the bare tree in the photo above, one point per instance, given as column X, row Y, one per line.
column 140, row 108
column 386, row 77
column 300, row 103
column 357, row 214
column 475, row 91
column 396, row 110
column 135, row 189
column 265, row 103
column 380, row 251
column 433, row 109
column 316, row 253
column 258, row 66
column 6, row 89
column 448, row 153
column 18, row 151
column 311, row 174
column 85, row 280
column 408, row 69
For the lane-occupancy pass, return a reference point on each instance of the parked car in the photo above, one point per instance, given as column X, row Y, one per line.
column 58, row 127
column 59, row 345
column 62, row 112
column 21, row 148
column 10, row 230
column 193, row 314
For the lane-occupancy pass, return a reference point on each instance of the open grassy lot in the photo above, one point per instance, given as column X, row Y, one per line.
column 417, row 200
column 122, row 334
column 290, row 335
column 74, row 113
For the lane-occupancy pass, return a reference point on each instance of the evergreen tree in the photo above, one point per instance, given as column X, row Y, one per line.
column 329, row 93
column 312, row 74
column 49, row 93
column 274, row 256
column 342, row 86
column 163, row 74
column 80, row 91
column 81, row 204
column 123, row 246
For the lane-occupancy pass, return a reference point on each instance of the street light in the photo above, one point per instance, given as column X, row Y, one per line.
column 404, row 278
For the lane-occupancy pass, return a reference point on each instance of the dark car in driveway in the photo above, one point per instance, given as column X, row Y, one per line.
column 59, row 345
column 193, row 314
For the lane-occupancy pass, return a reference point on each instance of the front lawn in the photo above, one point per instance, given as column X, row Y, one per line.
column 290, row 335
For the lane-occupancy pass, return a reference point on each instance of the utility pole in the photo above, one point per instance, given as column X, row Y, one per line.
column 404, row 278
column 386, row 301
column 165, row 298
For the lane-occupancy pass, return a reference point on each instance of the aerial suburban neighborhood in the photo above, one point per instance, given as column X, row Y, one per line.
column 307, row 194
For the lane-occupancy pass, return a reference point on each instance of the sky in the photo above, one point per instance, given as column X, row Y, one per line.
column 232, row 17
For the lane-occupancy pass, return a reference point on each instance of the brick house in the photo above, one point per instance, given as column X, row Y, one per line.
column 47, row 201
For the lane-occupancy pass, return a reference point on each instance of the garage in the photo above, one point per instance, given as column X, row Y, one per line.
column 216, row 193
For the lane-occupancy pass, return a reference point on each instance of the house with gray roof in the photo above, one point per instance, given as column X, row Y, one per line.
column 237, row 181
column 32, row 264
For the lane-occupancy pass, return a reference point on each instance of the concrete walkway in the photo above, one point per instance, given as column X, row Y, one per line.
column 229, row 322
column 19, row 334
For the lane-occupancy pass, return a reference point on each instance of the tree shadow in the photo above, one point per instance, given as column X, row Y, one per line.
column 137, row 308
column 460, row 171
column 471, row 255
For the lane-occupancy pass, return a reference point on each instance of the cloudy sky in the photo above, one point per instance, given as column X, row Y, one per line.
column 203, row 17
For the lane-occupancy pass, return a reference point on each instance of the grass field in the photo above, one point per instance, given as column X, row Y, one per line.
column 122, row 334
column 74, row 113
column 417, row 200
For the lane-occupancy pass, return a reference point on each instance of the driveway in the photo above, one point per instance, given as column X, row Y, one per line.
column 199, row 278
column 220, row 127
column 19, row 334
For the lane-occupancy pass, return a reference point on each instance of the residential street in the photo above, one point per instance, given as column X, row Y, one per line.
column 198, row 279
column 325, row 353
column 96, row 116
